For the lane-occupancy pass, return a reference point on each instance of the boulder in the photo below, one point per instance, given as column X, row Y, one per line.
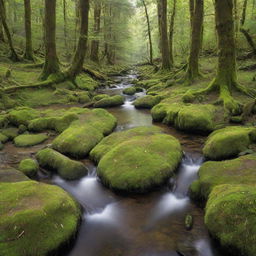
column 147, row 101
column 113, row 101
column 29, row 167
column 28, row 140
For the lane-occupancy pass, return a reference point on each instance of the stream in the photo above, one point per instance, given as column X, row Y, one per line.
column 138, row 225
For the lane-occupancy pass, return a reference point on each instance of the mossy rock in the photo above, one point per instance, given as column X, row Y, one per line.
column 108, row 102
column 116, row 138
column 159, row 112
column 83, row 98
column 83, row 135
column 129, row 91
column 140, row 163
column 230, row 218
column 139, row 89
column 237, row 171
column 10, row 132
column 29, row 167
column 4, row 120
column 28, row 140
column 228, row 142
column 11, row 175
column 147, row 101
column 100, row 97
column 22, row 115
column 36, row 219
column 65, row 167
column 3, row 138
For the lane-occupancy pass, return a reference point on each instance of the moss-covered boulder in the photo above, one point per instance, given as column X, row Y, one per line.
column 108, row 102
column 116, row 138
column 82, row 136
column 29, row 167
column 11, row 175
column 64, row 166
column 3, row 138
column 129, row 91
column 230, row 218
column 22, row 115
column 140, row 163
column 28, row 140
column 100, row 97
column 237, row 171
column 36, row 219
column 10, row 132
column 147, row 101
column 228, row 142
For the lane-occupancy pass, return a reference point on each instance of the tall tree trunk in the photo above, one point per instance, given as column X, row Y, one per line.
column 1, row 31
column 78, row 60
column 162, row 12
column 29, row 49
column 95, row 42
column 65, row 25
column 196, row 40
column 14, row 55
column 171, row 32
column 149, row 32
column 51, row 65
column 191, row 11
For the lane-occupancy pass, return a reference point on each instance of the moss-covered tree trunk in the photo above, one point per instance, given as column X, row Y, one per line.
column 65, row 26
column 14, row 55
column 78, row 60
column 171, row 31
column 196, row 39
column 1, row 31
column 29, row 49
column 164, row 43
column 95, row 42
column 51, row 65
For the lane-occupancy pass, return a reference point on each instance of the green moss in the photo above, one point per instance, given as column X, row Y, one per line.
column 85, row 82
column 230, row 218
column 108, row 102
column 29, row 167
column 228, row 142
column 28, row 140
column 65, row 167
column 43, row 218
column 118, row 137
column 100, row 97
column 11, row 175
column 83, row 97
column 10, row 132
column 4, row 121
column 3, row 138
column 22, row 115
column 172, row 112
column 159, row 112
column 129, row 91
column 22, row 128
column 140, row 163
column 147, row 101
column 236, row 171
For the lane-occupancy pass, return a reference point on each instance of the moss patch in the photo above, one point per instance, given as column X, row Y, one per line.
column 237, row 171
column 129, row 91
column 147, row 101
column 36, row 218
column 10, row 132
column 108, row 102
column 230, row 218
column 29, row 167
column 65, row 167
column 28, row 140
column 11, row 175
column 22, row 115
column 228, row 142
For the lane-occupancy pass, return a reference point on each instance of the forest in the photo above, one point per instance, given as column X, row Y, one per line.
column 127, row 127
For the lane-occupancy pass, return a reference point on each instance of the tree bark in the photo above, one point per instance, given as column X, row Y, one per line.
column 171, row 32
column 149, row 33
column 51, row 65
column 196, row 40
column 78, row 60
column 95, row 42
column 162, row 12
column 1, row 31
column 14, row 55
column 29, row 49
column 65, row 25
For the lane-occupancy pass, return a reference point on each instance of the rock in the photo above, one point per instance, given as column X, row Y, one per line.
column 83, row 98
column 139, row 89
column 29, row 167
column 22, row 115
column 140, row 163
column 211, row 174
column 11, row 175
column 22, row 128
column 28, row 140
column 189, row 222
column 10, row 132
column 108, row 102
column 147, row 101
column 129, row 90
column 65, row 167
column 3, row 138
column 82, row 136
column 228, row 142
column 117, row 138
column 37, row 219
column 230, row 218
column 100, row 97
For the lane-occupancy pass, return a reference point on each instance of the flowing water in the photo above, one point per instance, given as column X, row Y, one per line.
column 137, row 225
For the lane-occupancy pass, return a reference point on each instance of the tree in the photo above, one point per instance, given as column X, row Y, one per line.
column 51, row 65
column 1, row 31
column 96, row 29
column 65, row 25
column 171, row 31
column 29, row 49
column 78, row 60
column 164, row 44
column 14, row 56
